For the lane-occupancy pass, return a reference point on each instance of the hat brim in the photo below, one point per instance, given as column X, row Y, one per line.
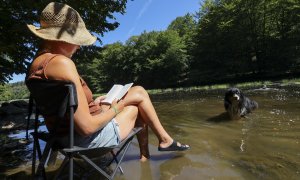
column 81, row 37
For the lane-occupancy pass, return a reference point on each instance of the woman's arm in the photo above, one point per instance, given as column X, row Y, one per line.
column 62, row 68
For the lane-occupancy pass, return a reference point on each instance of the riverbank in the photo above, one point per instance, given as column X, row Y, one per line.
column 254, row 84
column 13, row 150
column 245, row 85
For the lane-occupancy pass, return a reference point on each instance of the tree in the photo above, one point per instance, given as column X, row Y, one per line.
column 186, row 27
column 18, row 45
column 109, row 67
column 153, row 60
column 238, row 39
column 159, row 59
column 6, row 92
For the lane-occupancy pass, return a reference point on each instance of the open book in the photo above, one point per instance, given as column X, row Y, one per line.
column 116, row 92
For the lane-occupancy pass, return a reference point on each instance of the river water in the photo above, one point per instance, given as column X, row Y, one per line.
column 264, row 145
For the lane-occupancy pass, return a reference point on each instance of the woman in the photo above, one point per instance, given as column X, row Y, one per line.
column 63, row 32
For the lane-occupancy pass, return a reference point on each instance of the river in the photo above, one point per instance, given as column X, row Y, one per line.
column 264, row 145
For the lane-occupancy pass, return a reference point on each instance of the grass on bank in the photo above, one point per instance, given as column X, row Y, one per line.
column 19, row 90
column 283, row 82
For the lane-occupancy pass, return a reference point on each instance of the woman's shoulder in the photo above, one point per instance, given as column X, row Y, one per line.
column 61, row 67
column 48, row 58
column 62, row 60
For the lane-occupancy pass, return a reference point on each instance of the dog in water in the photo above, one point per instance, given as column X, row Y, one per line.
column 237, row 105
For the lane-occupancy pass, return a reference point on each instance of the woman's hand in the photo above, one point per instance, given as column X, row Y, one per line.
column 99, row 99
column 118, row 106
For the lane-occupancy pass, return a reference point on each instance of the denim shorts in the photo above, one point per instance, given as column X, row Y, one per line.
column 108, row 136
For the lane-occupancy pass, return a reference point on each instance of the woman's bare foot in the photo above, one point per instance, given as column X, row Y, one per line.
column 144, row 158
column 165, row 143
column 144, row 153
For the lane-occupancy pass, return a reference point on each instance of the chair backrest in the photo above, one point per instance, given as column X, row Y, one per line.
column 52, row 97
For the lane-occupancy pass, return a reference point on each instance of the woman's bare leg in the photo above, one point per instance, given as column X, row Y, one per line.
column 142, row 137
column 127, row 119
column 138, row 104
column 138, row 96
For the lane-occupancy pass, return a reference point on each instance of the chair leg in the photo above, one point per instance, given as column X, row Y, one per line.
column 91, row 163
column 33, row 158
column 71, row 166
column 62, row 167
column 38, row 148
column 52, row 157
column 117, row 161
column 36, row 151
column 124, row 149
column 43, row 159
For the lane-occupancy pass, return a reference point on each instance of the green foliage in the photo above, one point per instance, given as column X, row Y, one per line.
column 183, row 25
column 18, row 45
column 226, row 41
column 154, row 59
column 110, row 67
column 13, row 91
column 245, row 39
column 5, row 92
column 186, row 27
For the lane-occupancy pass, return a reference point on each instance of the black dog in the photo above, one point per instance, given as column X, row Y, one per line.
column 237, row 104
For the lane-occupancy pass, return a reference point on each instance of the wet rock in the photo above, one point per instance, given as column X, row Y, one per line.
column 12, row 122
column 13, row 151
column 13, row 119
column 20, row 104
column 11, row 145
column 14, row 107
column 8, row 125
column 13, row 115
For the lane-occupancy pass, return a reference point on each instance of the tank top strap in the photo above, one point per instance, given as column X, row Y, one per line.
column 39, row 71
column 46, row 62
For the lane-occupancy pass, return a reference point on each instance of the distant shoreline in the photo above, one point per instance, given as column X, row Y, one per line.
column 257, row 84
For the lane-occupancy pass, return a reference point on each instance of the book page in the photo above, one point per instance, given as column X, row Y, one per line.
column 112, row 93
column 124, row 91
column 116, row 92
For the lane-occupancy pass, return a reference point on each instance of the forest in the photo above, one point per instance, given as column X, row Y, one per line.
column 226, row 41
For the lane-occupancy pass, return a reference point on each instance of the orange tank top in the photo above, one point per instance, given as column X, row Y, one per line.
column 38, row 72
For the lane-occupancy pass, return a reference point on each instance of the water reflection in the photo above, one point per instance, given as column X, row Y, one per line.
column 22, row 135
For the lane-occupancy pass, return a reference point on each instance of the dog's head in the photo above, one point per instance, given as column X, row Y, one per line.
column 233, row 95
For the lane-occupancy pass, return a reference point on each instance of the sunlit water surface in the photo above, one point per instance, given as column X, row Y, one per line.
column 264, row 145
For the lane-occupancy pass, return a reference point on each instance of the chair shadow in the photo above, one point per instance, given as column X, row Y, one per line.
column 25, row 174
column 156, row 157
column 223, row 117
column 18, row 175
column 167, row 167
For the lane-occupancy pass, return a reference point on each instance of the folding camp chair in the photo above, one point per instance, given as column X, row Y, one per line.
column 63, row 102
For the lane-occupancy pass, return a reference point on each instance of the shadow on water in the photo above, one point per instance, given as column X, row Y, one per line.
column 223, row 117
column 264, row 145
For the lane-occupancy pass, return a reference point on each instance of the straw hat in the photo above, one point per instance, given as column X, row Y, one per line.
column 60, row 22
